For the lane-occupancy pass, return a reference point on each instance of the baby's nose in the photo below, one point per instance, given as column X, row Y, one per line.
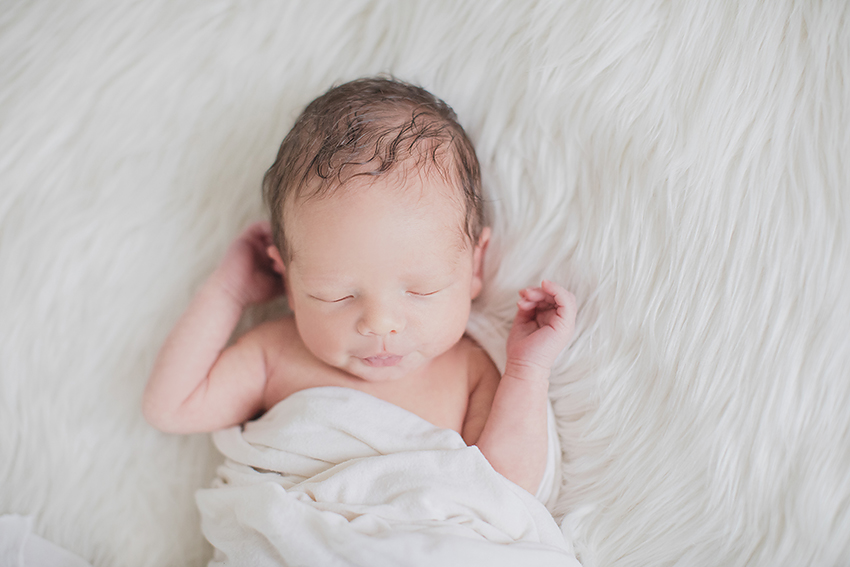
column 380, row 319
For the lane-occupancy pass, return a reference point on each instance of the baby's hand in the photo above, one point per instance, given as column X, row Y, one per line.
column 246, row 271
column 543, row 326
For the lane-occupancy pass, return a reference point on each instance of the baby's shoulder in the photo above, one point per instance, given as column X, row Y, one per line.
column 474, row 352
column 276, row 339
column 274, row 331
column 478, row 363
column 290, row 366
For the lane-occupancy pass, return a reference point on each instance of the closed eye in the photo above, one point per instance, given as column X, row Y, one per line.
column 341, row 299
column 426, row 294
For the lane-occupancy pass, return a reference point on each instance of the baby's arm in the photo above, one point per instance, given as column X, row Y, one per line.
column 197, row 384
column 514, row 438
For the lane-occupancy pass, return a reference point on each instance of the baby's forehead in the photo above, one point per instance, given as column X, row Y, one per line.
column 420, row 184
column 412, row 202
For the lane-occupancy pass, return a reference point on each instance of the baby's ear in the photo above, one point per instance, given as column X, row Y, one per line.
column 277, row 261
column 277, row 265
column 478, row 261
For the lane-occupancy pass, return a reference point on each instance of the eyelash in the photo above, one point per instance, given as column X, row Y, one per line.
column 423, row 294
column 341, row 299
column 331, row 300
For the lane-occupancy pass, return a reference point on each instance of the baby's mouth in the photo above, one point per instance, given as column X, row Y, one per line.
column 382, row 360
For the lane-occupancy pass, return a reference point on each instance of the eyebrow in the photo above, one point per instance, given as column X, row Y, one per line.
column 325, row 281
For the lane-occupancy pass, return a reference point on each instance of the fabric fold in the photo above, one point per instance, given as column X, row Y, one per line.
column 334, row 476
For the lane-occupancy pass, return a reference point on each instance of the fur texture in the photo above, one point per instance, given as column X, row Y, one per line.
column 682, row 166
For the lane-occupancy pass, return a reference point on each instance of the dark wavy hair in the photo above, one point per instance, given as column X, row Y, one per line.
column 367, row 127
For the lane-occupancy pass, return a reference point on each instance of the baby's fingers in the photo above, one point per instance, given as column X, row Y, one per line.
column 565, row 300
column 548, row 295
column 561, row 296
column 531, row 298
column 532, row 294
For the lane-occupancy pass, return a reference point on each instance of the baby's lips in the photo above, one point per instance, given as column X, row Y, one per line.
column 382, row 360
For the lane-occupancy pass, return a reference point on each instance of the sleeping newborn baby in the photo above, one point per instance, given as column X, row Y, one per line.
column 377, row 239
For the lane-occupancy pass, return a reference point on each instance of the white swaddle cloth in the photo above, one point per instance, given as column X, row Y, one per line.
column 334, row 476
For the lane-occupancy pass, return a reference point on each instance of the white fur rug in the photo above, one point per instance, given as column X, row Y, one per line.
column 682, row 166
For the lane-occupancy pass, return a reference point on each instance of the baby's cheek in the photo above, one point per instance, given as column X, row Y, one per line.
column 320, row 337
column 448, row 328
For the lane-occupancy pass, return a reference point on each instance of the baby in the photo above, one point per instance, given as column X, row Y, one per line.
column 378, row 241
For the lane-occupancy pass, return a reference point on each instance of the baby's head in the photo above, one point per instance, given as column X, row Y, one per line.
column 376, row 211
column 371, row 127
